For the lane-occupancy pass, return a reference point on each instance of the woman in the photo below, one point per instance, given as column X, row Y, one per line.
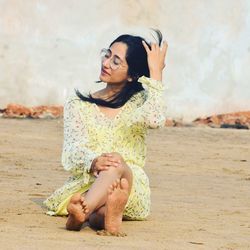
column 104, row 138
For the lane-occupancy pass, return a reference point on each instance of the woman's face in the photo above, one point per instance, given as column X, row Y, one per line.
column 114, row 65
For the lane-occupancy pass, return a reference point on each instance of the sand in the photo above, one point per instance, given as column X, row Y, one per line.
column 200, row 180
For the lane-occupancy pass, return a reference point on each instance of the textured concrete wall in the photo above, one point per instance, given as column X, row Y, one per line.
column 50, row 47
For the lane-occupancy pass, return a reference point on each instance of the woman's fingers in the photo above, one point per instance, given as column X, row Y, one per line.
column 113, row 158
column 101, row 168
column 164, row 48
column 153, row 47
column 145, row 46
column 107, row 160
column 110, row 156
column 111, row 164
column 105, row 165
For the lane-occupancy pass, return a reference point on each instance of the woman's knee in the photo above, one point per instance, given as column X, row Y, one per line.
column 118, row 156
column 119, row 170
column 123, row 170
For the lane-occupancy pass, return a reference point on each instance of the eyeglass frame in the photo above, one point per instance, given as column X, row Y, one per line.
column 112, row 64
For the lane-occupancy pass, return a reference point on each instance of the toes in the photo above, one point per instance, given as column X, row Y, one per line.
column 118, row 181
column 124, row 184
column 75, row 198
column 82, row 199
column 110, row 189
column 83, row 203
column 116, row 184
column 85, row 210
column 85, row 207
column 113, row 186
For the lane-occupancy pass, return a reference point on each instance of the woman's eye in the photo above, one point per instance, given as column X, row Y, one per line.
column 116, row 62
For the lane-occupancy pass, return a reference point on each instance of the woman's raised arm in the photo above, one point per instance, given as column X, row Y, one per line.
column 153, row 111
column 156, row 59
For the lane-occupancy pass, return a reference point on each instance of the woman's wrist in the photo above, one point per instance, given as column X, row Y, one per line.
column 156, row 75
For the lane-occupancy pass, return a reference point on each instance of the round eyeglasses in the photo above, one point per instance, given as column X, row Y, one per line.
column 115, row 61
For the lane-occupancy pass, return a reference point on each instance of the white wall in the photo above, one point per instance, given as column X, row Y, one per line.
column 50, row 47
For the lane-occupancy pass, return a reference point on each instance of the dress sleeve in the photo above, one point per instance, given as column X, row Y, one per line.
column 153, row 111
column 76, row 157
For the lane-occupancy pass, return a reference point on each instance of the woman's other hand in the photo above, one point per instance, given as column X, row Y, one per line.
column 156, row 59
column 104, row 162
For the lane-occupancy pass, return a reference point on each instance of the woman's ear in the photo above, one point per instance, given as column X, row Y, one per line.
column 130, row 79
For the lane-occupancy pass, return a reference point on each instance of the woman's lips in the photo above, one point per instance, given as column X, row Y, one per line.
column 104, row 72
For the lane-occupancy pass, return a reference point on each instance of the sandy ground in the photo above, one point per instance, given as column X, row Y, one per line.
column 200, row 179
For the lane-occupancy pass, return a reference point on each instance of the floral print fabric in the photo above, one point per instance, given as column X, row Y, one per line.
column 88, row 133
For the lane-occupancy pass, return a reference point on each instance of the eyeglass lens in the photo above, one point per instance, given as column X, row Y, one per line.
column 114, row 61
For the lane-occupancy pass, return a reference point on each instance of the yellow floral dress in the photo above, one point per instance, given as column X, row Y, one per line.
column 88, row 133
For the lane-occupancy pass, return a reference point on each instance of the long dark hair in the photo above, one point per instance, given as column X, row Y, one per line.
column 136, row 58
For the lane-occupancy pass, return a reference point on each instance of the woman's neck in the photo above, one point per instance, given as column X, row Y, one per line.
column 109, row 91
column 112, row 89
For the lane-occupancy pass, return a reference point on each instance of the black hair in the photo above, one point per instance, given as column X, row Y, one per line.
column 136, row 57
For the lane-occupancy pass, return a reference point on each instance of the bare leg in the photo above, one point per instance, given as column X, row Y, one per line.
column 110, row 215
column 97, row 195
column 96, row 219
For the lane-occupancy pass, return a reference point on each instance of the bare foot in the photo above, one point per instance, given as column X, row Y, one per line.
column 117, row 199
column 77, row 210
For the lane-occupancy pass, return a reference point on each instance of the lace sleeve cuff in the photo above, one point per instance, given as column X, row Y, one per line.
column 151, row 83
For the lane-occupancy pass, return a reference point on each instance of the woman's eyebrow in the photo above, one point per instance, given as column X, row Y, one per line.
column 116, row 55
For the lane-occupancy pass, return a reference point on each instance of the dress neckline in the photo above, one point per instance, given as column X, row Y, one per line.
column 112, row 119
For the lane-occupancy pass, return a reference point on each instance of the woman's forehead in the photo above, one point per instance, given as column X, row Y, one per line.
column 119, row 49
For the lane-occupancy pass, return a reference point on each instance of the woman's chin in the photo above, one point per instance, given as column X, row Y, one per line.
column 103, row 78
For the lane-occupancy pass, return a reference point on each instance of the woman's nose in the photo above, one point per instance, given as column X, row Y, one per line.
column 106, row 62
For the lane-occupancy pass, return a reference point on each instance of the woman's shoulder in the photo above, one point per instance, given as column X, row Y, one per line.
column 74, row 100
column 74, row 104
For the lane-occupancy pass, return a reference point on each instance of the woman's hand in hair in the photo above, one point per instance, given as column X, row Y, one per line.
column 156, row 59
column 104, row 162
